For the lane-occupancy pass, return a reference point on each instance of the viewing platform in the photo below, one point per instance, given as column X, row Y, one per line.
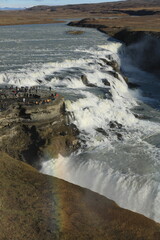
column 26, row 96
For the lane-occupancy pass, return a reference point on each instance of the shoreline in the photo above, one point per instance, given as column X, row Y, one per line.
column 32, row 23
column 126, row 35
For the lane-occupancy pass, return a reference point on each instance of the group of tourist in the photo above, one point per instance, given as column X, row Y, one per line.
column 27, row 95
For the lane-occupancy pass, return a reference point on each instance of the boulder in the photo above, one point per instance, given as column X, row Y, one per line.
column 102, row 131
column 132, row 85
column 105, row 82
column 115, row 124
column 111, row 63
column 86, row 82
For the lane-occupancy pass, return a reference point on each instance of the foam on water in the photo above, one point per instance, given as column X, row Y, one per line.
column 138, row 192
column 125, row 171
column 120, row 154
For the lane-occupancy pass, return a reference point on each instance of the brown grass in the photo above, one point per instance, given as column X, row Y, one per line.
column 104, row 10
column 35, row 206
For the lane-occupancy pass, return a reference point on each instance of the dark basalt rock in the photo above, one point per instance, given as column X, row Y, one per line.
column 115, row 67
column 125, row 78
column 105, row 82
column 133, row 85
column 129, row 37
column 111, row 63
column 113, row 74
column 119, row 136
column 140, row 116
column 102, row 131
column 86, row 82
column 114, row 124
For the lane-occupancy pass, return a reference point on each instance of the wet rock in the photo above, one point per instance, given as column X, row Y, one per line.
column 102, row 131
column 104, row 60
column 115, row 67
column 125, row 78
column 91, row 85
column 143, row 117
column 100, row 64
column 68, row 79
column 114, row 124
column 39, row 81
column 119, row 136
column 105, row 82
column 74, row 129
column 113, row 74
column 133, row 85
column 111, row 63
column 86, row 82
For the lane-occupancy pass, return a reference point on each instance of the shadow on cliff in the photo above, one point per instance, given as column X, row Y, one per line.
column 145, row 53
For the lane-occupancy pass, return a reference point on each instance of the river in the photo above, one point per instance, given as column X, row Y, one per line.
column 119, row 127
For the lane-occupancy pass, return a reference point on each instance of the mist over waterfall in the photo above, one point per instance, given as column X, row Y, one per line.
column 145, row 53
column 120, row 157
column 119, row 126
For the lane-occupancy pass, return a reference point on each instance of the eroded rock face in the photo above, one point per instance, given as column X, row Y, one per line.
column 36, row 206
column 31, row 132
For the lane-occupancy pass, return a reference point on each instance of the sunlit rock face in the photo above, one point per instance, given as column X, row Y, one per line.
column 32, row 131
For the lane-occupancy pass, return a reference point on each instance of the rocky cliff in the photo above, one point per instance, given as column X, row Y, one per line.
column 145, row 42
column 29, row 132
column 35, row 206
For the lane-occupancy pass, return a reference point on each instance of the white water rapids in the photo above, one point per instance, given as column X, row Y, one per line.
column 126, row 169
column 119, row 132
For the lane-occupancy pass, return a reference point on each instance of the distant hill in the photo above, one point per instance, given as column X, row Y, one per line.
column 100, row 6
column 41, row 14
column 10, row 9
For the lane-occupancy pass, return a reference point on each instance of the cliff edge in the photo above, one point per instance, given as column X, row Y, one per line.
column 36, row 126
column 35, row 206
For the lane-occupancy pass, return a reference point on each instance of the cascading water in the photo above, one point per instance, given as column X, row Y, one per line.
column 120, row 158
column 119, row 132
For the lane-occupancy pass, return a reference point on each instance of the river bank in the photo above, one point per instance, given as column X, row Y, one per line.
column 126, row 34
